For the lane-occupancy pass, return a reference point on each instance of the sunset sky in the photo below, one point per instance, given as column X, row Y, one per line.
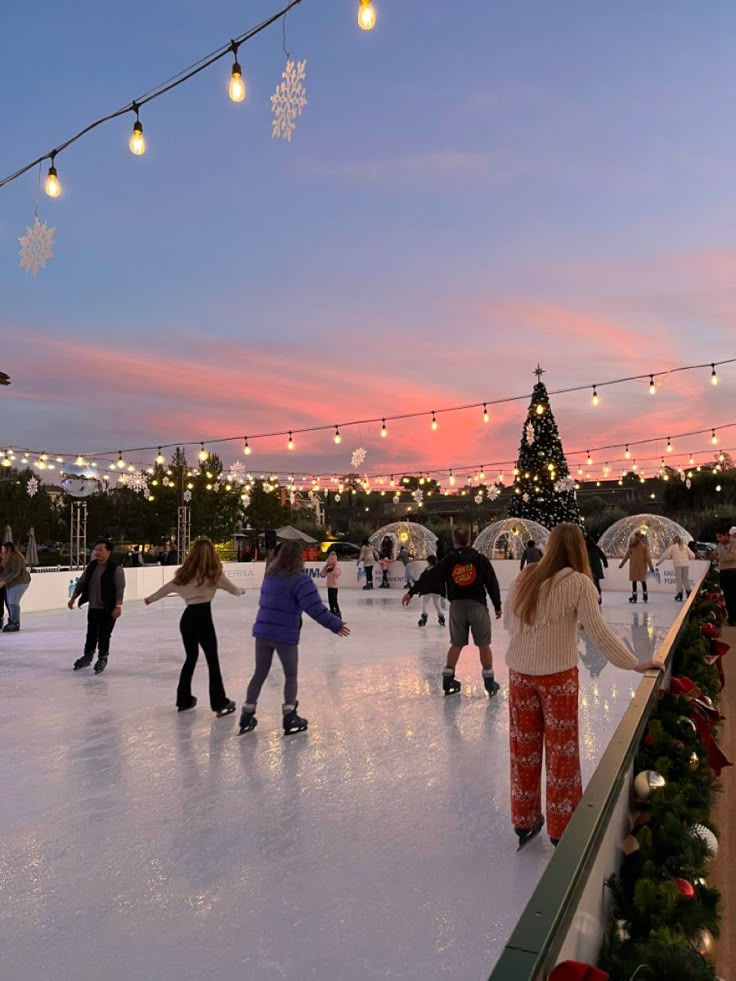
column 474, row 187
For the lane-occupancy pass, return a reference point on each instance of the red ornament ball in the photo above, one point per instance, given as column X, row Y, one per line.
column 686, row 889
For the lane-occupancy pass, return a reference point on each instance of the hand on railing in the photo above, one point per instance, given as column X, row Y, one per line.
column 649, row 666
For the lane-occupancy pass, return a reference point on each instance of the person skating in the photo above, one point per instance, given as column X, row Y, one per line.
column 196, row 582
column 598, row 562
column 726, row 556
column 367, row 557
column 680, row 555
column 102, row 587
column 437, row 599
column 543, row 608
column 639, row 559
column 406, row 561
column 286, row 594
column 386, row 558
column 531, row 554
column 331, row 572
column 468, row 577
column 15, row 579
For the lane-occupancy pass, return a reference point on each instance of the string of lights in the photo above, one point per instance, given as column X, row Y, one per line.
column 137, row 144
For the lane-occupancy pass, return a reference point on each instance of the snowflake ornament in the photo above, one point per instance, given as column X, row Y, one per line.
column 237, row 473
column 688, row 483
column 358, row 458
column 525, row 498
column 337, row 498
column 138, row 482
column 493, row 493
column 418, row 496
column 564, row 485
column 245, row 498
column 32, row 487
column 397, row 499
column 289, row 100
column 292, row 498
column 529, row 431
column 36, row 247
column 478, row 498
column 187, row 496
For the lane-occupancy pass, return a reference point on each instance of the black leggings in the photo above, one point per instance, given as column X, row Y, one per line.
column 634, row 584
column 332, row 601
column 369, row 575
column 728, row 585
column 198, row 630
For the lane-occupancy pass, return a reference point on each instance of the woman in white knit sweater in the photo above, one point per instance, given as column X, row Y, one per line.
column 542, row 612
column 680, row 555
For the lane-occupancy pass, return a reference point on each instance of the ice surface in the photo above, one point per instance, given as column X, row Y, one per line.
column 137, row 843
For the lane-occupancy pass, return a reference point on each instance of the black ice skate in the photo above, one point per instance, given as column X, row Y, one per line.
column 293, row 723
column 100, row 665
column 678, row 597
column 450, row 684
column 441, row 619
column 526, row 835
column 187, row 705
column 227, row 709
column 248, row 720
column 422, row 622
column 83, row 662
column 492, row 686
column 645, row 597
column 632, row 598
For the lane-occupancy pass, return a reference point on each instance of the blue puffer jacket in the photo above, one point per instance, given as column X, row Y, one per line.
column 281, row 606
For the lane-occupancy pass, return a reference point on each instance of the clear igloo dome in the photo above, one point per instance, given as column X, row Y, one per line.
column 419, row 540
column 507, row 539
column 658, row 533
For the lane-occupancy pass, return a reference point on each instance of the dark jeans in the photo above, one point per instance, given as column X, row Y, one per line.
column 198, row 630
column 289, row 657
column 597, row 584
column 332, row 601
column 728, row 585
column 643, row 588
column 100, row 625
column 369, row 576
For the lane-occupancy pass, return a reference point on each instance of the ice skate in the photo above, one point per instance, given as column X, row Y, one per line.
column 526, row 835
column 492, row 686
column 248, row 720
column 187, row 705
column 422, row 622
column 632, row 599
column 441, row 620
column 227, row 709
column 83, row 662
column 100, row 665
column 678, row 597
column 11, row 628
column 645, row 597
column 293, row 723
column 450, row 684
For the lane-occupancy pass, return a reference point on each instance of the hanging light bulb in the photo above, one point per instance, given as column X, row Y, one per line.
column 596, row 401
column 384, row 431
column 590, row 458
column 627, row 454
column 635, row 466
column 160, row 460
column 338, row 437
column 713, row 375
column 120, row 461
column 366, row 15
column 669, row 445
column 80, row 461
column 236, row 89
column 52, row 185
column 203, row 456
column 713, row 438
column 246, row 448
column 451, row 479
column 434, row 422
column 652, row 387
column 485, row 413
column 137, row 142
column 290, row 444
column 691, row 461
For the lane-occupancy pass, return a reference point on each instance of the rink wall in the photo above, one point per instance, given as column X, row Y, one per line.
column 51, row 590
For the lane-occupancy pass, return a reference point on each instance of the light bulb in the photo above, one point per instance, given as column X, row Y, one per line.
column 485, row 413
column 137, row 142
column 652, row 387
column 590, row 459
column 596, row 400
column 236, row 89
column 338, row 437
column 669, row 445
column 540, row 409
column 366, row 15
column 713, row 375
column 452, row 479
column 52, row 185
column 691, row 461
column 246, row 448
column 627, row 454
column 384, row 431
column 79, row 462
column 290, row 444
column 203, row 455
column 120, row 462
column 434, row 422
column 714, row 438
column 160, row 457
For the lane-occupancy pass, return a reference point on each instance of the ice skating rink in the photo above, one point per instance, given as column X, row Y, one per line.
column 137, row 843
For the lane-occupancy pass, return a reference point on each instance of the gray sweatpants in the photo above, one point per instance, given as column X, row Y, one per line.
column 682, row 579
column 289, row 657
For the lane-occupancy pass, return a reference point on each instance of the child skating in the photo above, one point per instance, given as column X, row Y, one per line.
column 331, row 572
column 436, row 599
column 287, row 592
column 197, row 582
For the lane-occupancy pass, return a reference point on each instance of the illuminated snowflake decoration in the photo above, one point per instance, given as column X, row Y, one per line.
column 688, row 483
column 245, row 499
column 36, row 247
column 397, row 499
column 358, row 458
column 289, row 100
column 525, row 498
column 187, row 496
column 418, row 496
column 337, row 498
column 564, row 485
column 292, row 497
column 237, row 473
column 478, row 498
column 32, row 487
column 138, row 482
column 529, row 432
column 493, row 493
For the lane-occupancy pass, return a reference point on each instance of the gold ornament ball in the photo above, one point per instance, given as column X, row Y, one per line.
column 647, row 782
column 705, row 944
column 694, row 761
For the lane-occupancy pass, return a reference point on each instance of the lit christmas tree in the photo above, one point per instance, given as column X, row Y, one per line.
column 544, row 491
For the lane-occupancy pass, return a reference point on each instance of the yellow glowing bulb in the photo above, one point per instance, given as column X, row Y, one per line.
column 137, row 142
column 627, row 454
column 540, row 409
column 434, row 423
column 485, row 413
column 79, row 462
column 120, row 464
column 384, row 431
column 366, row 16
column 52, row 185
column 290, row 444
column 246, row 449
column 713, row 376
column 160, row 457
column 714, row 438
column 203, row 455
column 236, row 89
column 338, row 437
column 652, row 387
column 596, row 400
column 669, row 446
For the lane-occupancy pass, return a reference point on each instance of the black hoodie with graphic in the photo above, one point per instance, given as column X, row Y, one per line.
column 465, row 574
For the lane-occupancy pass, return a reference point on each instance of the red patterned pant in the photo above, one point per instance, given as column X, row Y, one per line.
column 544, row 715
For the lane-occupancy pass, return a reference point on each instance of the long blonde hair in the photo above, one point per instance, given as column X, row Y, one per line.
column 565, row 550
column 288, row 560
column 202, row 563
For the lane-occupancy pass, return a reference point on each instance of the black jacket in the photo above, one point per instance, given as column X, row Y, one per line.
column 107, row 585
column 465, row 574
column 530, row 556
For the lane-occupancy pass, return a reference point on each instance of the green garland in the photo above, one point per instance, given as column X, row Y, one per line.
column 655, row 929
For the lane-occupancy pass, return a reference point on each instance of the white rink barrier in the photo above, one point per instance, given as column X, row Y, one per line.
column 51, row 591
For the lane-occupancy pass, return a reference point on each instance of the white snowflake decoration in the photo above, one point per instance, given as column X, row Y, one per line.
column 564, row 485
column 493, row 493
column 688, row 483
column 237, row 473
column 138, row 482
column 245, row 498
column 358, row 458
column 418, row 496
column 337, row 498
column 32, row 487
column 187, row 496
column 525, row 498
column 36, row 247
column 529, row 431
column 478, row 498
column 289, row 100
column 292, row 497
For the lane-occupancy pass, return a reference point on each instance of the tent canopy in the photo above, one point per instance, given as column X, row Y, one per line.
column 290, row 534
column 31, row 548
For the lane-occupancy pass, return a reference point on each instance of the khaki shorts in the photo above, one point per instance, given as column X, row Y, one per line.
column 468, row 615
